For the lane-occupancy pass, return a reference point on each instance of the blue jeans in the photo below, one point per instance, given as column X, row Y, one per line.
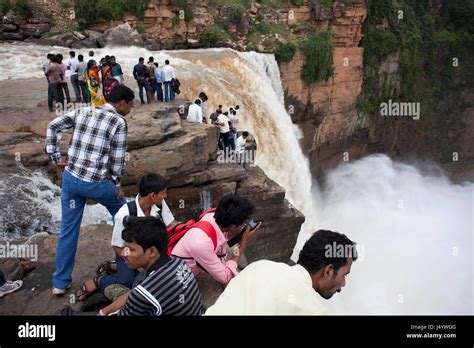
column 74, row 193
column 2, row 279
column 124, row 275
column 169, row 94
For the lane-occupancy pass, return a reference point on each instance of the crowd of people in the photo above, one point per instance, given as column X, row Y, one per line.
column 93, row 80
column 229, row 141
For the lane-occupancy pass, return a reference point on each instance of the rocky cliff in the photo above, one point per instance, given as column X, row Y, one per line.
column 326, row 111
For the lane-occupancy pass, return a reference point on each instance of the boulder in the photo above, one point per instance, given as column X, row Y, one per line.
column 64, row 39
column 121, row 35
column 12, row 36
column 86, row 43
column 92, row 34
column 34, row 29
column 9, row 27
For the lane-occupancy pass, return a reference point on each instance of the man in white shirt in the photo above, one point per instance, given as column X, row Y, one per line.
column 223, row 123
column 275, row 288
column 195, row 112
column 240, row 150
column 149, row 202
column 74, row 77
column 168, row 75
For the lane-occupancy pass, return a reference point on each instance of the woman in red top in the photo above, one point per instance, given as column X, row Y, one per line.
column 108, row 80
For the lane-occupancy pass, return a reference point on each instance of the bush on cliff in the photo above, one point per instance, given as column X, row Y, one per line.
column 285, row 52
column 214, row 34
column 98, row 10
column 318, row 53
column 24, row 9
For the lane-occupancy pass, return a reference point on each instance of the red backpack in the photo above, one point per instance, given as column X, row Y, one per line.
column 177, row 232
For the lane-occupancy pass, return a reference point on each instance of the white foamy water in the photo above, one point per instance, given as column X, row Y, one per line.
column 415, row 234
column 415, row 230
column 31, row 203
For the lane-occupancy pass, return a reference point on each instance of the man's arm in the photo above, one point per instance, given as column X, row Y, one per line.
column 135, row 72
column 54, row 134
column 118, row 149
column 139, row 303
column 118, row 304
column 201, row 249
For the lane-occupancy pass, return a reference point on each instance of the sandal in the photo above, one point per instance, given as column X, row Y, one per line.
column 83, row 293
column 106, row 268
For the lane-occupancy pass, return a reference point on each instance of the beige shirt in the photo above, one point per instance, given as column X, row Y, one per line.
column 269, row 288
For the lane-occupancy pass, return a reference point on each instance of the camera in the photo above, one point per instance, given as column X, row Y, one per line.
column 254, row 223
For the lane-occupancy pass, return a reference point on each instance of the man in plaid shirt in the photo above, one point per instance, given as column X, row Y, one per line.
column 96, row 161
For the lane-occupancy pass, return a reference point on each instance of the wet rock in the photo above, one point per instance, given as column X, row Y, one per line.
column 121, row 35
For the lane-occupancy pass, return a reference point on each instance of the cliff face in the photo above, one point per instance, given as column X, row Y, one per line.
column 326, row 111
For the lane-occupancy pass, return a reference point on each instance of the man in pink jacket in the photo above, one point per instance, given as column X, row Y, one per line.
column 198, row 250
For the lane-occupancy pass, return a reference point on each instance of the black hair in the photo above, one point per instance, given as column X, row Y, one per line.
column 203, row 96
column 151, row 182
column 151, row 60
column 245, row 134
column 80, row 57
column 318, row 251
column 107, row 57
column 146, row 231
column 72, row 54
column 120, row 93
column 141, row 59
column 112, row 57
column 219, row 107
column 226, row 113
column 155, row 64
column 91, row 53
column 237, row 107
column 197, row 101
column 53, row 58
column 233, row 210
column 167, row 62
column 59, row 58
column 218, row 111
column 49, row 55
column 90, row 63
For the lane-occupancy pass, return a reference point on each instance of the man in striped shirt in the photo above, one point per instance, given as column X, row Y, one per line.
column 169, row 287
column 96, row 161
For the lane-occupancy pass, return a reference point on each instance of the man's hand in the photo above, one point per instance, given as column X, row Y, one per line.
column 121, row 194
column 60, row 169
column 249, row 234
column 60, row 166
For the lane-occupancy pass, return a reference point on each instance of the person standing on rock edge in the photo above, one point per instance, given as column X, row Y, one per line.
column 54, row 74
column 50, row 86
column 94, row 170
column 142, row 75
column 73, row 75
column 151, row 69
column 80, row 69
column 117, row 72
column 159, row 83
column 168, row 74
column 63, row 85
